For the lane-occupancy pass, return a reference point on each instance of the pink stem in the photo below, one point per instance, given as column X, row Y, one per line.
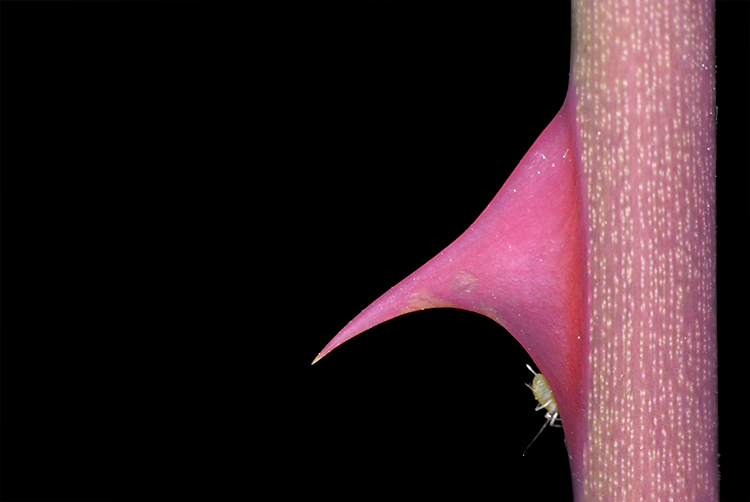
column 643, row 74
column 598, row 255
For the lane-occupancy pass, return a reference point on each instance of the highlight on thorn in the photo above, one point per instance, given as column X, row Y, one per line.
column 543, row 395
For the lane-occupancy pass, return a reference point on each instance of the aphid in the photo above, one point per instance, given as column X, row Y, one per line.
column 543, row 394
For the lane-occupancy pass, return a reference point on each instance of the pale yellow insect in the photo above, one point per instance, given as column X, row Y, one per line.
column 543, row 394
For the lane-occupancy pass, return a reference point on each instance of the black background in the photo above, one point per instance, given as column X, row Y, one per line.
column 197, row 198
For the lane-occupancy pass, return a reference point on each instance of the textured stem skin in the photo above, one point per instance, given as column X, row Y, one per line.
column 643, row 76
column 598, row 255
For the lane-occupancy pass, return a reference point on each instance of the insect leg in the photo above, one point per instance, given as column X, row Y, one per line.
column 543, row 405
column 537, row 435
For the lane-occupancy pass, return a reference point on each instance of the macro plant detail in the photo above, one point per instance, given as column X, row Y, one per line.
column 598, row 255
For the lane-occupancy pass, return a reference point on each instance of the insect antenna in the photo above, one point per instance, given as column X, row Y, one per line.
column 537, row 435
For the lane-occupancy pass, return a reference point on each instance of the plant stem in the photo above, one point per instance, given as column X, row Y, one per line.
column 643, row 77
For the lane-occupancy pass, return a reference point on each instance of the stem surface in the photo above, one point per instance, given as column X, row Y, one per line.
column 643, row 76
